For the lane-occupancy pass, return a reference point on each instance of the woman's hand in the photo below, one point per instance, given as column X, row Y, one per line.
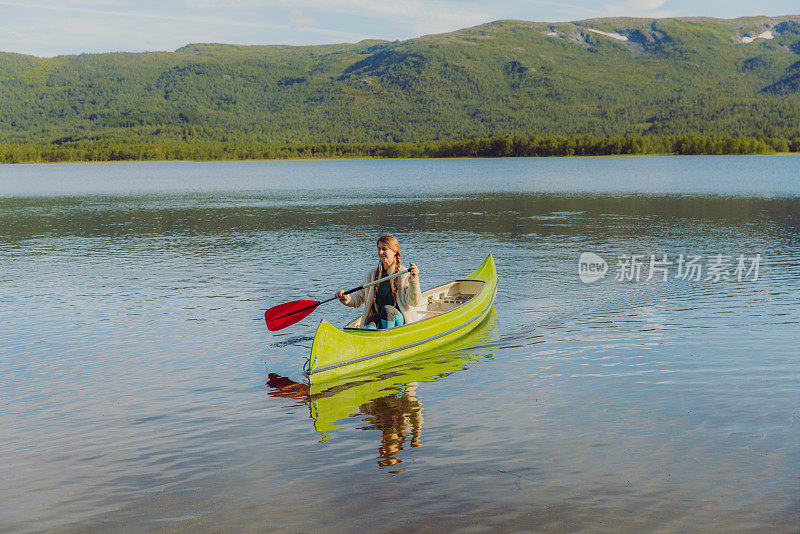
column 413, row 271
column 344, row 299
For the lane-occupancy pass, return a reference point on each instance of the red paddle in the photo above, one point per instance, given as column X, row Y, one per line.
column 288, row 313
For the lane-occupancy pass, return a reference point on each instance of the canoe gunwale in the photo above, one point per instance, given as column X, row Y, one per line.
column 413, row 344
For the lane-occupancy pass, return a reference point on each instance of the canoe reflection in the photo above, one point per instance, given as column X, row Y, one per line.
column 386, row 396
column 397, row 416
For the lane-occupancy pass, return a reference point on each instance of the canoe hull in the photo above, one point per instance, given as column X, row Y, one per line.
column 336, row 353
column 333, row 400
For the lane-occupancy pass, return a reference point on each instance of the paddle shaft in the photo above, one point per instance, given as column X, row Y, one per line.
column 378, row 281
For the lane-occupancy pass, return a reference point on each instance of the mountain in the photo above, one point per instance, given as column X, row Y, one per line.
column 613, row 76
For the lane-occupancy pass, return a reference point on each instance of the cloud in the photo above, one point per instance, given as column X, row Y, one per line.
column 414, row 15
column 87, row 3
column 301, row 18
column 45, row 29
column 646, row 5
column 44, row 39
column 176, row 18
column 638, row 8
column 663, row 14
column 229, row 4
column 98, row 2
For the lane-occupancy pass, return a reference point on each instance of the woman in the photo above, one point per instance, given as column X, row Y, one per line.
column 390, row 303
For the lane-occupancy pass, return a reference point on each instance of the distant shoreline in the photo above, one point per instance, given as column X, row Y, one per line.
column 494, row 147
column 367, row 158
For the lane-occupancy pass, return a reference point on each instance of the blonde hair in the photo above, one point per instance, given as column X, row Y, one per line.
column 391, row 242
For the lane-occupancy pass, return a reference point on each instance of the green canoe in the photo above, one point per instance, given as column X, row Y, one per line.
column 446, row 313
column 332, row 401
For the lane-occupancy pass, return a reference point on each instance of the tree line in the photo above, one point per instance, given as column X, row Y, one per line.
column 506, row 146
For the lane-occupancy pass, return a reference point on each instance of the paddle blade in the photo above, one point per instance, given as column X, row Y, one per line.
column 286, row 314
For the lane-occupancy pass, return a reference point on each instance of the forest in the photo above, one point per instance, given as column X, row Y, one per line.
column 507, row 88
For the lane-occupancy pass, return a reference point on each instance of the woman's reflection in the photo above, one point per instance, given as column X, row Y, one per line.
column 399, row 418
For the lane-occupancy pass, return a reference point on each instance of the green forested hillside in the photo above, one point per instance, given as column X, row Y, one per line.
column 641, row 77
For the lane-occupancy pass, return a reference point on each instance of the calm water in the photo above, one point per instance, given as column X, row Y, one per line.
column 134, row 362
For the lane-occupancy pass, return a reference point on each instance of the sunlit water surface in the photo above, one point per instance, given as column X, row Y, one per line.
column 134, row 361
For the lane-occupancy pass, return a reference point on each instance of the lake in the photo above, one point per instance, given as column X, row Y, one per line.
column 651, row 384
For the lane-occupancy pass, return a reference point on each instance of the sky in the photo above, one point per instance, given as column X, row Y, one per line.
column 53, row 27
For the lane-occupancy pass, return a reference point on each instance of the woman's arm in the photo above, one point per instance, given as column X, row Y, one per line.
column 412, row 295
column 356, row 299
